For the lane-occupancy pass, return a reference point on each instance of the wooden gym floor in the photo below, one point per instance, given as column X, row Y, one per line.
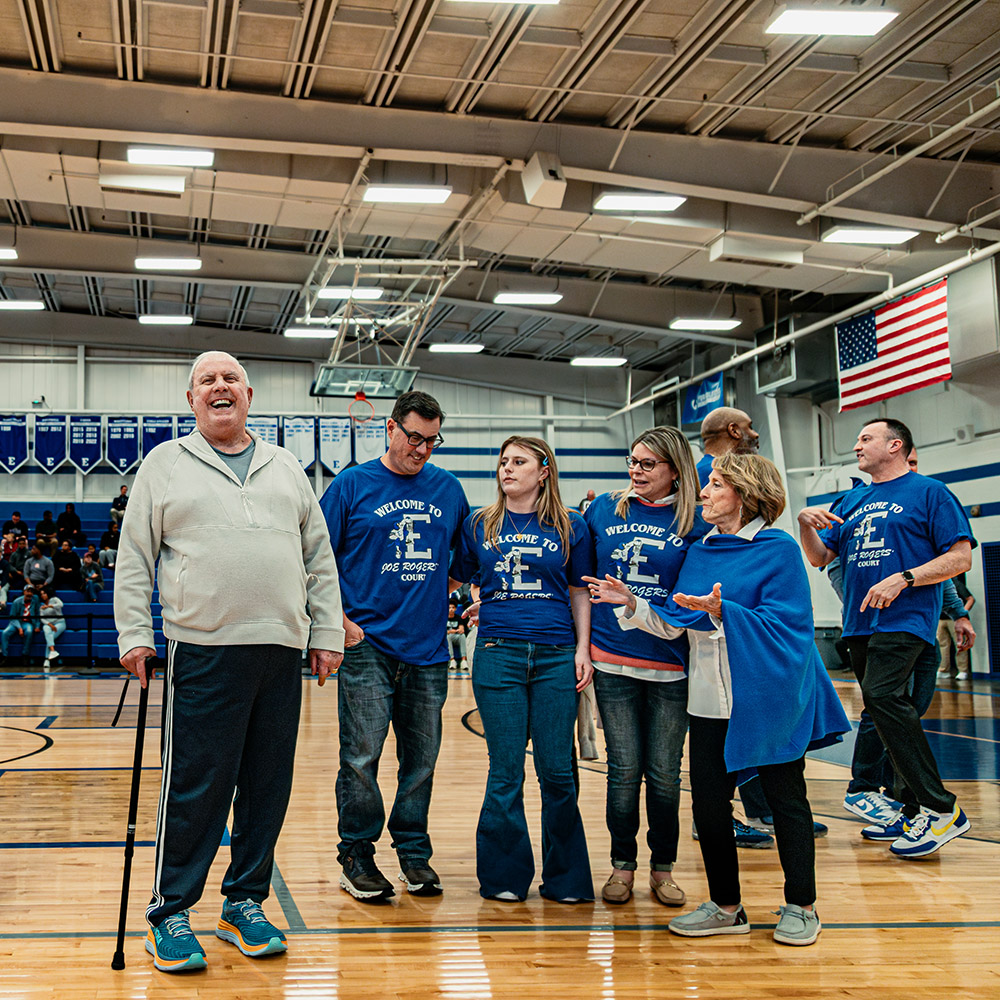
column 891, row 928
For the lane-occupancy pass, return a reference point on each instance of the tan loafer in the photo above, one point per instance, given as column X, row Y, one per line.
column 667, row 891
column 616, row 890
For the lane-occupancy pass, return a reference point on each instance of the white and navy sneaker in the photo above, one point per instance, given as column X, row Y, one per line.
column 892, row 832
column 873, row 806
column 929, row 832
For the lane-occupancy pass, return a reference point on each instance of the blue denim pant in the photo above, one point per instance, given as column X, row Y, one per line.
column 92, row 591
column 11, row 630
column 871, row 769
column 374, row 690
column 528, row 690
column 645, row 723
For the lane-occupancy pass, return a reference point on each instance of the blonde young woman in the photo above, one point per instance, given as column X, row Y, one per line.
column 529, row 555
column 640, row 536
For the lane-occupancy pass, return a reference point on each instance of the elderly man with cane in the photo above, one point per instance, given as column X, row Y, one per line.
column 247, row 580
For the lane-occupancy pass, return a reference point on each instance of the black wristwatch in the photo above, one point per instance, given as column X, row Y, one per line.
column 908, row 577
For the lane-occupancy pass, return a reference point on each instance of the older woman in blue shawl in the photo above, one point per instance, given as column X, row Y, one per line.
column 758, row 694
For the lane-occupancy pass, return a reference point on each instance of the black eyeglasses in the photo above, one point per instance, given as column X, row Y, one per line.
column 416, row 440
column 646, row 464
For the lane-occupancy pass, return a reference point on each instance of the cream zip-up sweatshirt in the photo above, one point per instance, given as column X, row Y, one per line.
column 238, row 564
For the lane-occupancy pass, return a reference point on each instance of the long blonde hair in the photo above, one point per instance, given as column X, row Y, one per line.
column 551, row 510
column 668, row 445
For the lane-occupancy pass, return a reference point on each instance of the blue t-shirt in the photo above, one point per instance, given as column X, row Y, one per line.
column 644, row 552
column 524, row 580
column 889, row 527
column 392, row 536
column 704, row 468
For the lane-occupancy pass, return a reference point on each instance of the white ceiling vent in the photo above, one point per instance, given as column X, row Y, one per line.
column 757, row 253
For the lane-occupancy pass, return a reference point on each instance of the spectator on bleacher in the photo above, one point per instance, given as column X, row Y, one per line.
column 39, row 570
column 9, row 543
column 15, row 526
column 23, row 621
column 50, row 614
column 46, row 533
column 456, row 638
column 92, row 550
column 586, row 502
column 93, row 578
column 119, row 504
column 4, row 580
column 67, row 564
column 68, row 527
column 109, row 540
column 17, row 560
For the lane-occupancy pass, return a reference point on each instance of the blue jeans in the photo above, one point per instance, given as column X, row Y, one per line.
column 374, row 690
column 645, row 723
column 871, row 769
column 10, row 630
column 528, row 690
column 91, row 590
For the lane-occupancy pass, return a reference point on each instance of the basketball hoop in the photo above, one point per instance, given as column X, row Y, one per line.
column 360, row 409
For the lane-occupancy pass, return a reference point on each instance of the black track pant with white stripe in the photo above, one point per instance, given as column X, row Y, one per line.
column 230, row 722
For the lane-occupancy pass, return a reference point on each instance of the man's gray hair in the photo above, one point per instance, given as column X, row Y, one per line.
column 204, row 354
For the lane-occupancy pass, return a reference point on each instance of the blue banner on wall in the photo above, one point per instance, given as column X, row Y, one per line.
column 701, row 399
column 50, row 441
column 335, row 443
column 13, row 442
column 123, row 443
column 185, row 425
column 156, row 430
column 85, row 442
column 300, row 439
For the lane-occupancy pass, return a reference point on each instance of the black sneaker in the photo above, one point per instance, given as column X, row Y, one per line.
column 362, row 879
column 420, row 878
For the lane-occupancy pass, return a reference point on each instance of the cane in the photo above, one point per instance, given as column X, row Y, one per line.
column 118, row 962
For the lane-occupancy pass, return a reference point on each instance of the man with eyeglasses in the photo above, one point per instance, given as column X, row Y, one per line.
column 393, row 522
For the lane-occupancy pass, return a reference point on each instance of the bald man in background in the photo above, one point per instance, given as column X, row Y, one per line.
column 724, row 430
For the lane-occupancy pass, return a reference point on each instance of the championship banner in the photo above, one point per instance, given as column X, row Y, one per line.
column 123, row 443
column 265, row 427
column 85, row 442
column 300, row 439
column 156, row 430
column 13, row 442
column 369, row 440
column 185, row 425
column 50, row 442
column 335, row 443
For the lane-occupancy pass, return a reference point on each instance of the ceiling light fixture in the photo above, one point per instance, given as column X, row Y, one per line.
column 598, row 362
column 526, row 298
column 800, row 19
column 407, row 194
column 455, row 348
column 316, row 332
column 347, row 292
column 869, row 235
column 533, row 3
column 160, row 183
column 638, row 201
column 19, row 305
column 8, row 253
column 163, row 319
column 151, row 156
column 168, row 263
column 705, row 325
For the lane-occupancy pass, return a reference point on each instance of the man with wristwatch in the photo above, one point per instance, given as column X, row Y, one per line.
column 899, row 538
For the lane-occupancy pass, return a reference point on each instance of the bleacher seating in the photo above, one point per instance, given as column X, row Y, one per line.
column 90, row 638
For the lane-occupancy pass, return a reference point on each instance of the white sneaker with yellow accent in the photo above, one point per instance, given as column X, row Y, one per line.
column 929, row 832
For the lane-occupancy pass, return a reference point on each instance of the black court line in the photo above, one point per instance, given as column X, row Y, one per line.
column 46, row 743
column 284, row 897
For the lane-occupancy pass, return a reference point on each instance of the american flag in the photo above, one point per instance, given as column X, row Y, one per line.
column 895, row 349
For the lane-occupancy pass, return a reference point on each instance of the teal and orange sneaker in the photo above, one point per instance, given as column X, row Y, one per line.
column 173, row 945
column 243, row 924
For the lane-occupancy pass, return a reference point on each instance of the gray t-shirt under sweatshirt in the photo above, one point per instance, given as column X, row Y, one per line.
column 240, row 462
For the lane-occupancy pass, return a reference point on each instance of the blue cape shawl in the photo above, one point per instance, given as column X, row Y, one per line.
column 783, row 700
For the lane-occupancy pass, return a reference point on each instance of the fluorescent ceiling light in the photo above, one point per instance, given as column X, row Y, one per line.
column 868, row 235
column 161, row 319
column 533, row 3
column 170, row 157
column 163, row 183
column 346, row 292
column 827, row 20
column 408, row 194
column 22, row 304
column 638, row 201
column 597, row 362
column 317, row 332
column 168, row 263
column 527, row 298
column 8, row 253
column 704, row 325
column 455, row 348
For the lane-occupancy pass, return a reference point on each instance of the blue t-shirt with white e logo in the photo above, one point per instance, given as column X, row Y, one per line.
column 392, row 536
column 644, row 551
column 525, row 577
column 889, row 527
